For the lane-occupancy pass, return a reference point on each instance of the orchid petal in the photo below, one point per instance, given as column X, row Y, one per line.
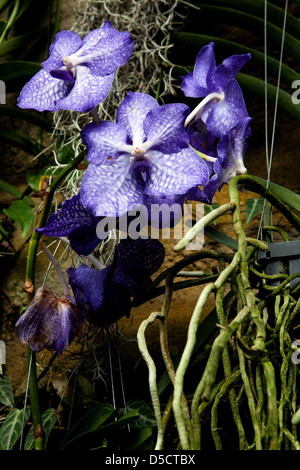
column 132, row 112
column 164, row 128
column 107, row 55
column 190, row 88
column 111, row 190
column 230, row 68
column 71, row 216
column 175, row 173
column 65, row 43
column 81, row 100
column 204, row 70
column 43, row 91
column 223, row 116
column 104, row 141
column 90, row 282
column 141, row 257
column 84, row 240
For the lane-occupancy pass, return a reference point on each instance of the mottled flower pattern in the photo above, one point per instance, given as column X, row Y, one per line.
column 78, row 73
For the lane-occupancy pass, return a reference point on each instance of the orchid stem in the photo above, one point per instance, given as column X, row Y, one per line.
column 30, row 278
column 57, row 269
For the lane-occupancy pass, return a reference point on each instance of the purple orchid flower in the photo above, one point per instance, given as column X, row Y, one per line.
column 231, row 149
column 76, row 223
column 107, row 293
column 78, row 73
column 49, row 322
column 223, row 104
column 145, row 153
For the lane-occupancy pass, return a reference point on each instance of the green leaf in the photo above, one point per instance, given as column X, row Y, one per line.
column 287, row 196
column 3, row 235
column 65, row 153
column 17, row 42
column 275, row 13
column 90, row 421
column 6, row 392
column 146, row 415
column 22, row 213
column 11, row 19
column 139, row 439
column 221, row 237
column 3, row 4
column 252, row 23
column 25, row 115
column 86, row 439
column 49, row 418
column 11, row 429
column 17, row 139
column 8, row 188
column 130, row 417
column 210, row 208
column 257, row 87
column 34, row 178
column 2, row 26
column 18, row 70
column 253, row 207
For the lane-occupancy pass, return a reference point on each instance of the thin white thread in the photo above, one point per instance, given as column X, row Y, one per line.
column 269, row 156
column 25, row 400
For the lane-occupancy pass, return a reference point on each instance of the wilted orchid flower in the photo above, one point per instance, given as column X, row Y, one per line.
column 76, row 223
column 50, row 322
column 145, row 153
column 107, row 293
column 223, row 104
column 79, row 72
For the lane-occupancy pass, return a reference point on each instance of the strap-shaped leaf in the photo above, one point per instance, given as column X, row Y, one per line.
column 25, row 115
column 92, row 420
column 290, row 198
column 18, row 70
column 19, row 140
column 275, row 14
column 254, row 24
column 17, row 42
column 257, row 87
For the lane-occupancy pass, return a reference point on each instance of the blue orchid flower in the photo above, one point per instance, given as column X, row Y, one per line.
column 223, row 103
column 145, row 153
column 79, row 72
column 106, row 294
column 76, row 223
column 229, row 161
